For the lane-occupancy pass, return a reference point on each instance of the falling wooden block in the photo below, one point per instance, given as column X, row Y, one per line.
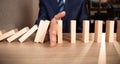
column 8, row 34
column 73, row 31
column 18, row 34
column 28, row 34
column 98, row 31
column 118, row 30
column 2, row 31
column 110, row 31
column 85, row 33
column 42, row 30
column 60, row 32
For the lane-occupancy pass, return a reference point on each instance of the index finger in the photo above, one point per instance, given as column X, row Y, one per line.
column 60, row 15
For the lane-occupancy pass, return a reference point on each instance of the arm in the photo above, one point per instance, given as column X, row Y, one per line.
column 42, row 12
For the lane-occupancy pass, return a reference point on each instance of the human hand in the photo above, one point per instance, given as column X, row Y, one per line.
column 54, row 28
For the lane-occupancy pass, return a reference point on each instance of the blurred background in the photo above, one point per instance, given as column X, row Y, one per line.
column 21, row 13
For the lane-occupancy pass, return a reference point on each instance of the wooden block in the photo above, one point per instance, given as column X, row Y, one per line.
column 73, row 31
column 42, row 30
column 98, row 31
column 60, row 32
column 8, row 34
column 85, row 33
column 110, row 31
column 28, row 34
column 2, row 31
column 18, row 34
column 118, row 30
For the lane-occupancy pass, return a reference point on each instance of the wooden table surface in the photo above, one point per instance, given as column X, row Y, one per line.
column 66, row 53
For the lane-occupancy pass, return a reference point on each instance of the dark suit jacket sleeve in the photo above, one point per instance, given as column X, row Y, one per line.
column 84, row 14
column 42, row 12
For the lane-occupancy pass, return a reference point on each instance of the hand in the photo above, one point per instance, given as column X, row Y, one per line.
column 54, row 28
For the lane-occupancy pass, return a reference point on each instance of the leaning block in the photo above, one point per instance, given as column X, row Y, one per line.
column 42, row 30
column 85, row 33
column 29, row 33
column 110, row 31
column 118, row 30
column 98, row 31
column 60, row 32
column 73, row 31
column 2, row 31
column 8, row 34
column 18, row 34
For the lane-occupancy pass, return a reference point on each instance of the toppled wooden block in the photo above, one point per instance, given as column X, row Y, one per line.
column 8, row 34
column 42, row 30
column 73, row 31
column 110, row 31
column 85, row 33
column 2, row 31
column 18, row 34
column 60, row 32
column 98, row 31
column 118, row 30
column 28, row 34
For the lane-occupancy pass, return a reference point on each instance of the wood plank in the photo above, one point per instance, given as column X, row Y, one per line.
column 18, row 34
column 118, row 30
column 8, row 34
column 73, row 31
column 110, row 31
column 28, row 34
column 42, row 31
column 98, row 31
column 85, row 33
column 2, row 32
column 60, row 32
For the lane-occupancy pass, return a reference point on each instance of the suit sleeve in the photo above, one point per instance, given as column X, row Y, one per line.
column 83, row 16
column 84, row 13
column 42, row 12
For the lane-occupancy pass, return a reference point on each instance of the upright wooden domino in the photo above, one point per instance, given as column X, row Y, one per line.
column 85, row 33
column 8, row 34
column 42, row 30
column 18, row 34
column 73, row 31
column 28, row 34
column 60, row 32
column 110, row 31
column 98, row 31
column 118, row 30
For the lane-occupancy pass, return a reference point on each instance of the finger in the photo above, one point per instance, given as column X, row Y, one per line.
column 60, row 15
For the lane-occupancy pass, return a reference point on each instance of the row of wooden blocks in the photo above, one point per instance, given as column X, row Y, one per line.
column 26, row 32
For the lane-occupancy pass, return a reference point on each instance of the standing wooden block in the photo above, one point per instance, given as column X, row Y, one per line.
column 8, row 34
column 42, row 30
column 85, row 33
column 73, row 31
column 29, row 33
column 110, row 31
column 98, row 31
column 118, row 30
column 60, row 32
column 18, row 34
